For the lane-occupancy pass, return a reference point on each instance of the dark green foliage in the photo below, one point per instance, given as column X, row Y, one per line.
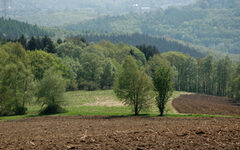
column 149, row 51
column 162, row 80
column 23, row 41
column 34, row 44
column 59, row 41
column 12, row 29
column 45, row 43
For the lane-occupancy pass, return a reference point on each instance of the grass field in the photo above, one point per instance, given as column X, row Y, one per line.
column 104, row 103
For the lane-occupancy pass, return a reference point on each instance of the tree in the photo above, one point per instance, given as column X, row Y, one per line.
column 133, row 86
column 16, row 80
column 50, row 92
column 42, row 61
column 236, row 84
column 236, row 88
column 163, row 86
column 34, row 44
column 23, row 41
column 107, row 77
column 149, row 51
column 47, row 45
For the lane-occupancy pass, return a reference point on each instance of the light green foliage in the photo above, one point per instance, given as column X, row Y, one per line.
column 178, row 61
column 42, row 61
column 236, row 88
column 70, row 49
column 50, row 92
column 207, row 75
column 16, row 80
column 163, row 86
column 107, row 77
column 92, row 66
column 223, row 76
column 236, row 83
column 133, row 86
column 73, row 72
column 155, row 62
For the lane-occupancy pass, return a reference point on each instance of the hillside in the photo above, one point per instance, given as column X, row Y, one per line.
column 214, row 24
column 60, row 12
column 10, row 28
column 162, row 44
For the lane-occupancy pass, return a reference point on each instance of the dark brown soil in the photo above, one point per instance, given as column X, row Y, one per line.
column 120, row 133
column 203, row 104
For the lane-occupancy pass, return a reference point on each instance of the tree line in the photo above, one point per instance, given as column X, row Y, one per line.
column 163, row 44
column 42, row 74
column 11, row 29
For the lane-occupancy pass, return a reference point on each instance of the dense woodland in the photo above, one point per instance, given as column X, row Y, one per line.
column 163, row 44
column 214, row 24
column 25, row 73
column 11, row 29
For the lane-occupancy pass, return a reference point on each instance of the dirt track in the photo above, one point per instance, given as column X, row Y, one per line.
column 203, row 104
column 120, row 133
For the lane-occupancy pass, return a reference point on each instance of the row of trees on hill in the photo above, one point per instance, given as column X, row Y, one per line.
column 41, row 76
column 161, row 43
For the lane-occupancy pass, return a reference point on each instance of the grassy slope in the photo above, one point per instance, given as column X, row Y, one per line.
column 96, row 103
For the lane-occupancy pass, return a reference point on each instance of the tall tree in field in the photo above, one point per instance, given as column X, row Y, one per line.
column 133, row 86
column 163, row 86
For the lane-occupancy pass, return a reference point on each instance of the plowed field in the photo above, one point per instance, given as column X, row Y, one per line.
column 120, row 133
column 204, row 104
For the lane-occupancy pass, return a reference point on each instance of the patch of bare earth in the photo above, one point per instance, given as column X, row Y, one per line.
column 204, row 104
column 81, row 132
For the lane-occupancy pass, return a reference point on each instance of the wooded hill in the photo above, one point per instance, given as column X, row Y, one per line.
column 62, row 12
column 214, row 24
column 11, row 29
column 163, row 44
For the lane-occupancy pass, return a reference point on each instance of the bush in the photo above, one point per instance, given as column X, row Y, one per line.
column 51, row 92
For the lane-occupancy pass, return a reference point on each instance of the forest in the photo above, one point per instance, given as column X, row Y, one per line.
column 11, row 29
column 75, row 64
column 213, row 24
